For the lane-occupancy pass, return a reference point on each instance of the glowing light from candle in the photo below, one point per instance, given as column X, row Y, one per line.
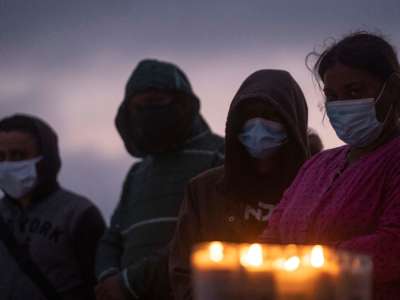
column 253, row 256
column 216, row 251
column 317, row 257
column 292, row 264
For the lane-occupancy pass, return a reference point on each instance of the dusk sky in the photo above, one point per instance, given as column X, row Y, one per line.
column 68, row 61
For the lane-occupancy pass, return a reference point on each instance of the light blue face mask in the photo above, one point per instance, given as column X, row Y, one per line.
column 18, row 178
column 355, row 121
column 262, row 137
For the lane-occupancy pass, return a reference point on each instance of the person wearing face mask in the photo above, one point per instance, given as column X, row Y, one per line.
column 58, row 229
column 266, row 144
column 349, row 197
column 160, row 124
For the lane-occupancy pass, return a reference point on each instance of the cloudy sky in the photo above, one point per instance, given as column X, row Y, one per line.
column 68, row 61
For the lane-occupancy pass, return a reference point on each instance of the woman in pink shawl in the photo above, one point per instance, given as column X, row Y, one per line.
column 349, row 197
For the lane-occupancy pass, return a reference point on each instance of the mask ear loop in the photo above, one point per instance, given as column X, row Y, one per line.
column 380, row 96
column 384, row 86
column 397, row 104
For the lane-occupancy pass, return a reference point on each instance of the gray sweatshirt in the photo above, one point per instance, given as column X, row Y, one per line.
column 14, row 285
column 50, row 229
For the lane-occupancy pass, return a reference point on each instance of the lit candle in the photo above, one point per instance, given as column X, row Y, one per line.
column 216, row 271
column 304, row 274
column 258, row 279
column 276, row 272
column 325, row 262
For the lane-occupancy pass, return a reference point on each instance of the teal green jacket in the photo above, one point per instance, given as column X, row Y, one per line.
column 144, row 221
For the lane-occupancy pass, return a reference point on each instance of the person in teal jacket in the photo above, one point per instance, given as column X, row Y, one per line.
column 160, row 123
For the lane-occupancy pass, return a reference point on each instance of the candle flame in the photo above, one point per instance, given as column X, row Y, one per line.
column 292, row 264
column 253, row 256
column 216, row 251
column 317, row 256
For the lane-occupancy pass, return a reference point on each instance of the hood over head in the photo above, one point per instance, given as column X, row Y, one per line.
column 47, row 140
column 278, row 89
column 152, row 74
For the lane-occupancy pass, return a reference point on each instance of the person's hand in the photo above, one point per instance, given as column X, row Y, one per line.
column 110, row 289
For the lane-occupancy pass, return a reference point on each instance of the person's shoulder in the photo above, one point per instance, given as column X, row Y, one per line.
column 138, row 164
column 325, row 156
column 209, row 176
column 137, row 167
column 206, row 141
column 219, row 143
column 390, row 153
column 204, row 188
column 394, row 148
column 72, row 199
column 217, row 139
column 329, row 153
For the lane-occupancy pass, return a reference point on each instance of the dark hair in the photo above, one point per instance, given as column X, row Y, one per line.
column 47, row 141
column 360, row 50
column 21, row 124
column 314, row 141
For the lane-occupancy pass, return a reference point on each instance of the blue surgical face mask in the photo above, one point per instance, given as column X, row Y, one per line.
column 262, row 137
column 355, row 121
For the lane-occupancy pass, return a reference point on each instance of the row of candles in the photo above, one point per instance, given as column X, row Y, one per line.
column 223, row 271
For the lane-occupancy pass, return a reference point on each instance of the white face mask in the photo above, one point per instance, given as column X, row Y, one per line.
column 18, row 178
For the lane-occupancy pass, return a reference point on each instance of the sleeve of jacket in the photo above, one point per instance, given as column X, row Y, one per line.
column 86, row 233
column 218, row 160
column 148, row 278
column 186, row 235
column 383, row 245
column 110, row 248
column 109, row 252
column 151, row 277
column 218, row 157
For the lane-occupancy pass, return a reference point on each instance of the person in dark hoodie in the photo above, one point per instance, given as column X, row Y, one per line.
column 266, row 144
column 59, row 229
column 160, row 123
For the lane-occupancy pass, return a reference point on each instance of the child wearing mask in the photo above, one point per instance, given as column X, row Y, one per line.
column 266, row 143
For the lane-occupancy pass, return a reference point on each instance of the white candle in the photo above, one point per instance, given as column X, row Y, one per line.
column 304, row 274
column 216, row 271
column 258, row 278
column 355, row 279
column 278, row 272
